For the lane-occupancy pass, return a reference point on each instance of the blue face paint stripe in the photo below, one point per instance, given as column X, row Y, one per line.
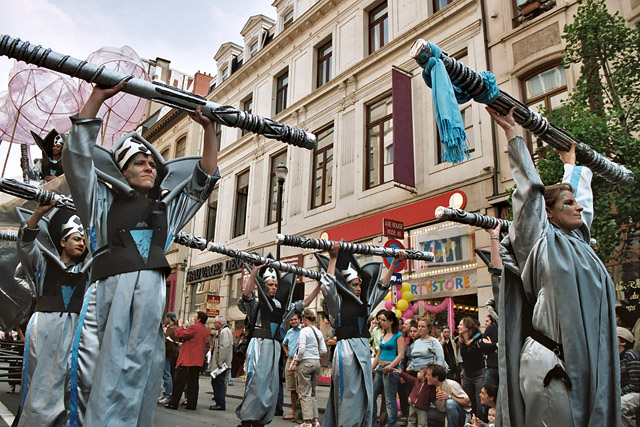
column 73, row 374
column 25, row 365
column 575, row 178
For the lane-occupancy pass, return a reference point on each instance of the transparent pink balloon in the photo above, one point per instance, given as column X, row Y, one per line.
column 43, row 99
column 10, row 129
column 122, row 113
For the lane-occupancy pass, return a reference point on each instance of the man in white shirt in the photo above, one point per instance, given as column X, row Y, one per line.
column 451, row 400
column 222, row 355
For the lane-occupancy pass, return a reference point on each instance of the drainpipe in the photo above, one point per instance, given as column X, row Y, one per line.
column 494, row 139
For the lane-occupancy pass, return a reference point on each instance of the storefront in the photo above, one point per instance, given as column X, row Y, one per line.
column 445, row 289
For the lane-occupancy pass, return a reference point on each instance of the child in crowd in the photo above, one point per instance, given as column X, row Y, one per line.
column 419, row 398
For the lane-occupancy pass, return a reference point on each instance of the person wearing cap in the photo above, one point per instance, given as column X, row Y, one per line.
column 351, row 395
column 51, row 146
column 58, row 280
column 171, row 355
column 130, row 223
column 267, row 312
column 629, row 377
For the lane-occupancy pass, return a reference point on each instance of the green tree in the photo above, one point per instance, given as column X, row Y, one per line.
column 603, row 112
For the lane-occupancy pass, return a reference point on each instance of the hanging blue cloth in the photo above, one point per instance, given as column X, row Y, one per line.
column 455, row 145
column 446, row 97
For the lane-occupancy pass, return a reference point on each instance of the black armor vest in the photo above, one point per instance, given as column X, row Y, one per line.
column 352, row 322
column 268, row 319
column 51, row 167
column 62, row 291
column 137, row 231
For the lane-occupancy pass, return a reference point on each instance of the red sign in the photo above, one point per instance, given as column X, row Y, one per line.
column 395, row 244
column 392, row 229
column 213, row 305
column 296, row 260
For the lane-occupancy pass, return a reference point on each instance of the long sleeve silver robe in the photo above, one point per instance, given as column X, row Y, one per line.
column 572, row 300
column 123, row 312
column 48, row 340
column 351, row 395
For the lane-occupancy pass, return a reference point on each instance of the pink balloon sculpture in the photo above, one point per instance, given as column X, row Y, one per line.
column 407, row 314
column 42, row 100
column 388, row 304
column 121, row 113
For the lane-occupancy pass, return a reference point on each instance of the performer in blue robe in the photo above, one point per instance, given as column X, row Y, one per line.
column 57, row 270
column 266, row 312
column 564, row 333
column 130, row 224
column 351, row 293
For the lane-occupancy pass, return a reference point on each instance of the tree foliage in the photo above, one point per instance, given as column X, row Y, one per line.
column 603, row 112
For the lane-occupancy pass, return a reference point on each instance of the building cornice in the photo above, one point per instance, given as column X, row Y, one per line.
column 165, row 123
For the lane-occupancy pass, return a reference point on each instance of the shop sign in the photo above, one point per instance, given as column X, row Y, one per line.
column 296, row 260
column 449, row 285
column 211, row 271
column 213, row 305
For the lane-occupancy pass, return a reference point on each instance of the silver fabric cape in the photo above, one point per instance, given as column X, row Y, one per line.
column 49, row 336
column 350, row 400
column 261, row 364
column 555, row 283
column 122, row 314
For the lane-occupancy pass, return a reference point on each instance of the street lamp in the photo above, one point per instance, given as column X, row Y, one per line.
column 281, row 176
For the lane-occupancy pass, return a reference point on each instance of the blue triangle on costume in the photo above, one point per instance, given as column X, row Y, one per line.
column 361, row 323
column 142, row 239
column 274, row 328
column 67, row 293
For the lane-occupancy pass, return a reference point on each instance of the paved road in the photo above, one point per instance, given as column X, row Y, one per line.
column 178, row 418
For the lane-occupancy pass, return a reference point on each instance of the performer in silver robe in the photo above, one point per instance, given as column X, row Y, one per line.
column 568, row 368
column 350, row 295
column 266, row 312
column 129, row 231
column 57, row 273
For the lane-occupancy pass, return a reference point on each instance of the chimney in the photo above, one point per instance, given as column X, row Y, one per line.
column 201, row 83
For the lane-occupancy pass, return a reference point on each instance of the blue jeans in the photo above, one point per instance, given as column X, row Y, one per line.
column 388, row 385
column 455, row 415
column 166, row 379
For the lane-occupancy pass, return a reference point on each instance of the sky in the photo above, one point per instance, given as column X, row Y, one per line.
column 186, row 33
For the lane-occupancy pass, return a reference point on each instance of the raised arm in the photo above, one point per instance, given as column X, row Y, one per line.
column 209, row 162
column 402, row 255
column 307, row 301
column 580, row 179
column 529, row 215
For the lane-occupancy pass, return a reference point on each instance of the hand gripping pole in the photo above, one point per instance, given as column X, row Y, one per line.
column 470, row 81
column 195, row 242
column 154, row 91
column 476, row 220
column 29, row 192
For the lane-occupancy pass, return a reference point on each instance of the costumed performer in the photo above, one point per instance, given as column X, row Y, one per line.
column 266, row 313
column 351, row 292
column 130, row 224
column 571, row 340
column 56, row 267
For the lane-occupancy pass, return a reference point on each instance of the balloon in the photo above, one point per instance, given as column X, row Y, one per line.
column 402, row 305
column 42, row 99
column 398, row 313
column 406, row 287
column 407, row 295
column 121, row 113
column 407, row 314
column 388, row 296
column 388, row 305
